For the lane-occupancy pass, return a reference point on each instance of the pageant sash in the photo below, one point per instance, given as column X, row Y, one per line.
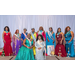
column 40, row 32
column 50, row 35
column 29, row 41
column 33, row 36
column 25, row 35
column 17, row 36
column 39, row 43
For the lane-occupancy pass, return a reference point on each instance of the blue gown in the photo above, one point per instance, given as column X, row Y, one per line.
column 69, row 46
column 51, row 41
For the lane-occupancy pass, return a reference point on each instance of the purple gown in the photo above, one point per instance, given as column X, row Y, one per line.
column 16, row 45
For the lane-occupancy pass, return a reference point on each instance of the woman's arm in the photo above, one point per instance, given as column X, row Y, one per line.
column 24, row 43
column 11, row 36
column 3, row 36
column 56, row 39
column 33, row 44
column 72, row 34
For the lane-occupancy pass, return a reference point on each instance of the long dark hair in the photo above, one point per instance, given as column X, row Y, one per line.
column 66, row 29
column 6, row 27
column 58, row 29
column 40, row 36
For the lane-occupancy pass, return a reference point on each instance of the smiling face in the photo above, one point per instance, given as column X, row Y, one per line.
column 29, row 35
column 6, row 29
column 25, row 30
column 33, row 30
column 41, row 28
column 50, row 29
column 17, row 31
column 68, row 29
column 39, row 37
column 59, row 30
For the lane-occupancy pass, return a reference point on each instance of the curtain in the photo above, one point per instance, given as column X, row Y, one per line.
column 35, row 21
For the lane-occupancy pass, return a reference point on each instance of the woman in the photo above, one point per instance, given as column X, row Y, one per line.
column 42, row 32
column 40, row 47
column 50, row 38
column 60, row 48
column 7, row 39
column 69, row 42
column 24, row 34
column 16, row 42
column 26, row 51
column 33, row 36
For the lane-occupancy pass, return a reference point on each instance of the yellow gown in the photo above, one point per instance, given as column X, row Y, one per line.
column 34, row 46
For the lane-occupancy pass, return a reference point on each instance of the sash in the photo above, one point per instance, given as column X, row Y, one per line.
column 50, row 35
column 29, row 41
column 40, row 32
column 33, row 36
column 39, row 43
column 17, row 36
column 25, row 35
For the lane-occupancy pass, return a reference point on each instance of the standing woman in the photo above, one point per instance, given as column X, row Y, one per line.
column 33, row 36
column 26, row 51
column 42, row 32
column 16, row 42
column 50, row 35
column 7, row 39
column 24, row 34
column 40, row 47
column 69, row 42
column 60, row 48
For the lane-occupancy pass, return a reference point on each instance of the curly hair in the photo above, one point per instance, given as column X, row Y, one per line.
column 6, row 27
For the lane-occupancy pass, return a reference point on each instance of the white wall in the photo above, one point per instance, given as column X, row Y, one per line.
column 30, row 21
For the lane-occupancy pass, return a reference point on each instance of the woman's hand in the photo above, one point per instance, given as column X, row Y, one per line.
column 4, row 41
column 61, row 42
column 48, row 40
column 69, row 41
column 39, row 48
column 21, row 39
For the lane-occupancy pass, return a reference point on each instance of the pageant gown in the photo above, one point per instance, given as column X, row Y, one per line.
column 25, row 53
column 16, row 44
column 60, row 48
column 7, row 44
column 39, row 53
column 51, row 38
column 69, row 46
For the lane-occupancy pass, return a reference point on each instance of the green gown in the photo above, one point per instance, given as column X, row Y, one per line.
column 25, row 53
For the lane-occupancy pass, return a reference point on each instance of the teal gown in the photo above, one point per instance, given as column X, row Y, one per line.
column 69, row 46
column 25, row 53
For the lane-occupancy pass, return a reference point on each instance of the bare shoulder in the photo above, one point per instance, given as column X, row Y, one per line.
column 72, row 32
column 62, row 33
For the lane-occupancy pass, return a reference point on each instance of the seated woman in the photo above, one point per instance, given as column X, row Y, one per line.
column 69, row 42
column 50, row 39
column 17, row 43
column 26, row 51
column 60, row 48
column 40, row 48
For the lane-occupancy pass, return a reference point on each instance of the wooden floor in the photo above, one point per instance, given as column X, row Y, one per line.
column 47, row 58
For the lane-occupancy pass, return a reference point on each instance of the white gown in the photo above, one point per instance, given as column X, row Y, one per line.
column 39, row 53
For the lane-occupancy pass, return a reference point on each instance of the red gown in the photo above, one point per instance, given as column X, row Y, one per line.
column 60, row 48
column 7, row 44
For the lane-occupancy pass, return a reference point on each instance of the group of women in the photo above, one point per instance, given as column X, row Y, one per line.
column 34, row 45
